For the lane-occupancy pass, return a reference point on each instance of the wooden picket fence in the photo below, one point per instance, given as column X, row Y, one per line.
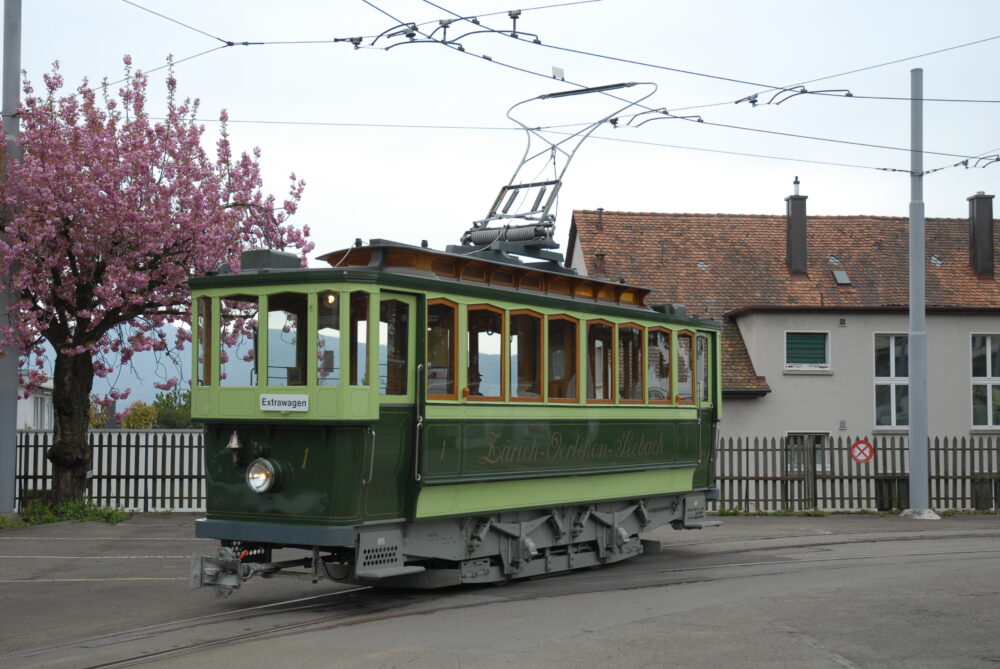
column 142, row 470
column 163, row 470
column 771, row 474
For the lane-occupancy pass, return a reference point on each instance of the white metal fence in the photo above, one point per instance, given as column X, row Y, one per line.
column 143, row 470
column 163, row 470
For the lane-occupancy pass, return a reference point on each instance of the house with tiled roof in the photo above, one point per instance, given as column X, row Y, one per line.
column 815, row 311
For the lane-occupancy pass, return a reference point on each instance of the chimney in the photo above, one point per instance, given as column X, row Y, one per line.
column 795, row 211
column 981, row 233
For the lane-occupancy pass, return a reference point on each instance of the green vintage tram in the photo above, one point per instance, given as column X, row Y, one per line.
column 411, row 417
column 421, row 418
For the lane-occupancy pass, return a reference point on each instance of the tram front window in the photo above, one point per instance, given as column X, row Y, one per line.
column 238, row 341
column 328, row 339
column 286, row 345
column 204, row 325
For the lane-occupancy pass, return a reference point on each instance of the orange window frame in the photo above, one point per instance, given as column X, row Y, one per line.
column 641, row 366
column 693, row 371
column 453, row 363
column 503, row 355
column 538, row 351
column 574, row 360
column 613, row 381
column 670, row 364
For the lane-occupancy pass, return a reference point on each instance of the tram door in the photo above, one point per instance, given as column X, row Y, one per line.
column 390, row 445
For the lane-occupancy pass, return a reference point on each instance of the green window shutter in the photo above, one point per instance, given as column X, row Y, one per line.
column 805, row 348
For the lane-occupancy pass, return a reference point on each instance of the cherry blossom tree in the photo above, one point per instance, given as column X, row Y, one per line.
column 109, row 215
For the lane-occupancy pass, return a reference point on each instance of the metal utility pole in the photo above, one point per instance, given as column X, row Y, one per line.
column 8, row 363
column 919, row 461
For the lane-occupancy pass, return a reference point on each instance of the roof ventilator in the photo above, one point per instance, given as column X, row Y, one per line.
column 524, row 223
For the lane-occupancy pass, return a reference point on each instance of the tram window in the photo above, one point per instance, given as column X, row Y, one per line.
column 328, row 339
column 658, row 365
column 204, row 325
column 441, row 349
column 286, row 345
column 238, row 341
column 600, row 361
column 685, row 373
column 629, row 363
column 358, row 343
column 394, row 323
column 562, row 358
column 701, row 365
column 525, row 356
column 485, row 353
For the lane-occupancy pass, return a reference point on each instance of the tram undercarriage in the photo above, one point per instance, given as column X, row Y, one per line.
column 475, row 549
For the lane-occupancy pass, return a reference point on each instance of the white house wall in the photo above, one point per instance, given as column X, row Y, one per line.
column 841, row 401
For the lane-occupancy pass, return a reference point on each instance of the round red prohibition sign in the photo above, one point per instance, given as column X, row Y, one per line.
column 862, row 451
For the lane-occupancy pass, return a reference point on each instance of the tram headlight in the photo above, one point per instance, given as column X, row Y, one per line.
column 262, row 475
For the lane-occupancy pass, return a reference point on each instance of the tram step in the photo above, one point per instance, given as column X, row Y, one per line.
column 701, row 524
column 377, row 574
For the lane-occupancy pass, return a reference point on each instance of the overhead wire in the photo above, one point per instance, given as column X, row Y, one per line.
column 768, row 87
column 227, row 43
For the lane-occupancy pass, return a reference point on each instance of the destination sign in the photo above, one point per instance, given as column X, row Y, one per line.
column 284, row 403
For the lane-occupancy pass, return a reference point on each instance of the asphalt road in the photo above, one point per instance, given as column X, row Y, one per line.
column 834, row 591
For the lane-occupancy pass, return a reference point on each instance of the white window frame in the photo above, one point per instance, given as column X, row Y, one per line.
column 807, row 368
column 892, row 381
column 991, row 383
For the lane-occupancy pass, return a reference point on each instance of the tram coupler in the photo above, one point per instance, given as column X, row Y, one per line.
column 225, row 571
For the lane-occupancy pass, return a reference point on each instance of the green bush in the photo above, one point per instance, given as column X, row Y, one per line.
column 173, row 409
column 78, row 512
column 139, row 416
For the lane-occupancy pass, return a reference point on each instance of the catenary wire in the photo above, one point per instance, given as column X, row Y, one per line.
column 768, row 87
column 721, row 125
column 180, row 23
column 524, row 70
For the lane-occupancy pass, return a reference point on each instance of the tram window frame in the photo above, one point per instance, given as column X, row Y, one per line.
column 572, row 385
column 328, row 316
column 469, row 371
column 538, row 383
column 250, row 334
column 359, row 317
column 703, row 364
column 611, row 384
column 394, row 349
column 688, row 335
column 640, row 367
column 295, row 375
column 453, row 363
column 204, row 346
column 669, row 399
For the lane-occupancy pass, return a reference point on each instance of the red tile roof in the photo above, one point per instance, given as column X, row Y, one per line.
column 719, row 264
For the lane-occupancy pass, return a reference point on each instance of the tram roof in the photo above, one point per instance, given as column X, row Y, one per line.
column 385, row 255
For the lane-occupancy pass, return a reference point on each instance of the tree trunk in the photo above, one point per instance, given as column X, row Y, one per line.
column 70, row 452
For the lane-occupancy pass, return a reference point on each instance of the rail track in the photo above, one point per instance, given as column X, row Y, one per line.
column 729, row 559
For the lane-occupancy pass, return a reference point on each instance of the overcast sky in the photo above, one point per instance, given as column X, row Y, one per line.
column 306, row 105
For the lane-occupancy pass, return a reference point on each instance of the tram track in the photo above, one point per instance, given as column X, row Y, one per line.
column 378, row 605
